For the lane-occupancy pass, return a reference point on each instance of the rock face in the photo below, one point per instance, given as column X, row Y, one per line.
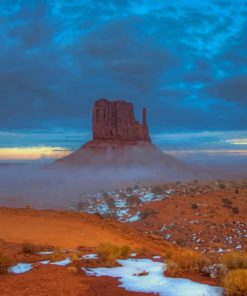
column 115, row 120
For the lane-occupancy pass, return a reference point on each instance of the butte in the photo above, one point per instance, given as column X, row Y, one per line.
column 121, row 142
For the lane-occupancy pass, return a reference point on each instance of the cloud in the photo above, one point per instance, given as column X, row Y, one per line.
column 32, row 153
column 184, row 61
column 231, row 89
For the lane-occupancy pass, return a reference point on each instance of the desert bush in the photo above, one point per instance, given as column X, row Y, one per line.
column 74, row 256
column 57, row 255
column 28, row 248
column 235, row 210
column 129, row 190
column 142, row 251
column 157, row 190
column 188, row 261
column 133, row 200
column 108, row 253
column 105, row 194
column 227, row 203
column 235, row 283
column 124, row 251
column 173, row 270
column 148, row 212
column 235, row 260
column 222, row 186
column 4, row 263
column 194, row 206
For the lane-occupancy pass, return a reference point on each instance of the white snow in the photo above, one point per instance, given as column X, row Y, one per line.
column 154, row 281
column 62, row 262
column 90, row 256
column 45, row 262
column 20, row 268
column 134, row 218
column 45, row 253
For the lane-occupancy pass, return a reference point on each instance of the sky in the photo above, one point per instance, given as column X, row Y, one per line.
column 185, row 61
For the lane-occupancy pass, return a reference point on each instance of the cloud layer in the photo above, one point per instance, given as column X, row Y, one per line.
column 184, row 60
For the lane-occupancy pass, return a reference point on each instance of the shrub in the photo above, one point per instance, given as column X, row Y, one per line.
column 235, row 283
column 108, row 253
column 28, row 248
column 235, row 260
column 188, row 261
column 194, row 206
column 235, row 210
column 74, row 257
column 105, row 194
column 227, row 202
column 4, row 263
column 124, row 251
column 57, row 255
column 157, row 190
column 148, row 212
column 129, row 190
column 222, row 186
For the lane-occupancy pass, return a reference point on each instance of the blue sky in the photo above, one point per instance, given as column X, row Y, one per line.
column 186, row 61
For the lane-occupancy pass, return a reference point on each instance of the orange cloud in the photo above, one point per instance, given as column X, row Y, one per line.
column 32, row 153
column 225, row 152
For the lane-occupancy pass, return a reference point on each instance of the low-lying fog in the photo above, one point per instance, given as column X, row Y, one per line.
column 45, row 187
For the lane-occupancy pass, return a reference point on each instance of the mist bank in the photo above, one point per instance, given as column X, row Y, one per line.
column 43, row 186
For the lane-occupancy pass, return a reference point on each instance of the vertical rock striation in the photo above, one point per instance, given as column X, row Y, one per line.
column 115, row 120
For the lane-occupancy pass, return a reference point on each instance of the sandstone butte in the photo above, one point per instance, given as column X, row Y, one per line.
column 116, row 121
column 119, row 140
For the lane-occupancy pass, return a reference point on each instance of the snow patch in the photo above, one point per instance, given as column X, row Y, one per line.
column 62, row 262
column 154, row 281
column 20, row 268
column 90, row 256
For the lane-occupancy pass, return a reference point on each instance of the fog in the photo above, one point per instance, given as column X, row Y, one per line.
column 47, row 186
column 44, row 187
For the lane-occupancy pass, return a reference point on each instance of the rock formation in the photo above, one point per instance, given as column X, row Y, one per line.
column 116, row 121
column 120, row 142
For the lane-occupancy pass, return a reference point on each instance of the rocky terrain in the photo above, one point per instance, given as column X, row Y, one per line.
column 208, row 216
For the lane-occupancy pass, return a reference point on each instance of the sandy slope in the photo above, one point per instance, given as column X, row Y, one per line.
column 66, row 230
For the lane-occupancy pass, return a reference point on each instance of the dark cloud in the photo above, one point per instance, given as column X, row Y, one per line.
column 233, row 89
column 186, row 62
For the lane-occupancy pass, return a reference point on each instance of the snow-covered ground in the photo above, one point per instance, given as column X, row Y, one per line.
column 119, row 204
column 154, row 281
column 138, row 275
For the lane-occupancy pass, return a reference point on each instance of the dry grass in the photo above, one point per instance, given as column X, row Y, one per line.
column 74, row 256
column 108, row 253
column 5, row 262
column 235, row 282
column 57, row 255
column 185, row 261
column 235, row 260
